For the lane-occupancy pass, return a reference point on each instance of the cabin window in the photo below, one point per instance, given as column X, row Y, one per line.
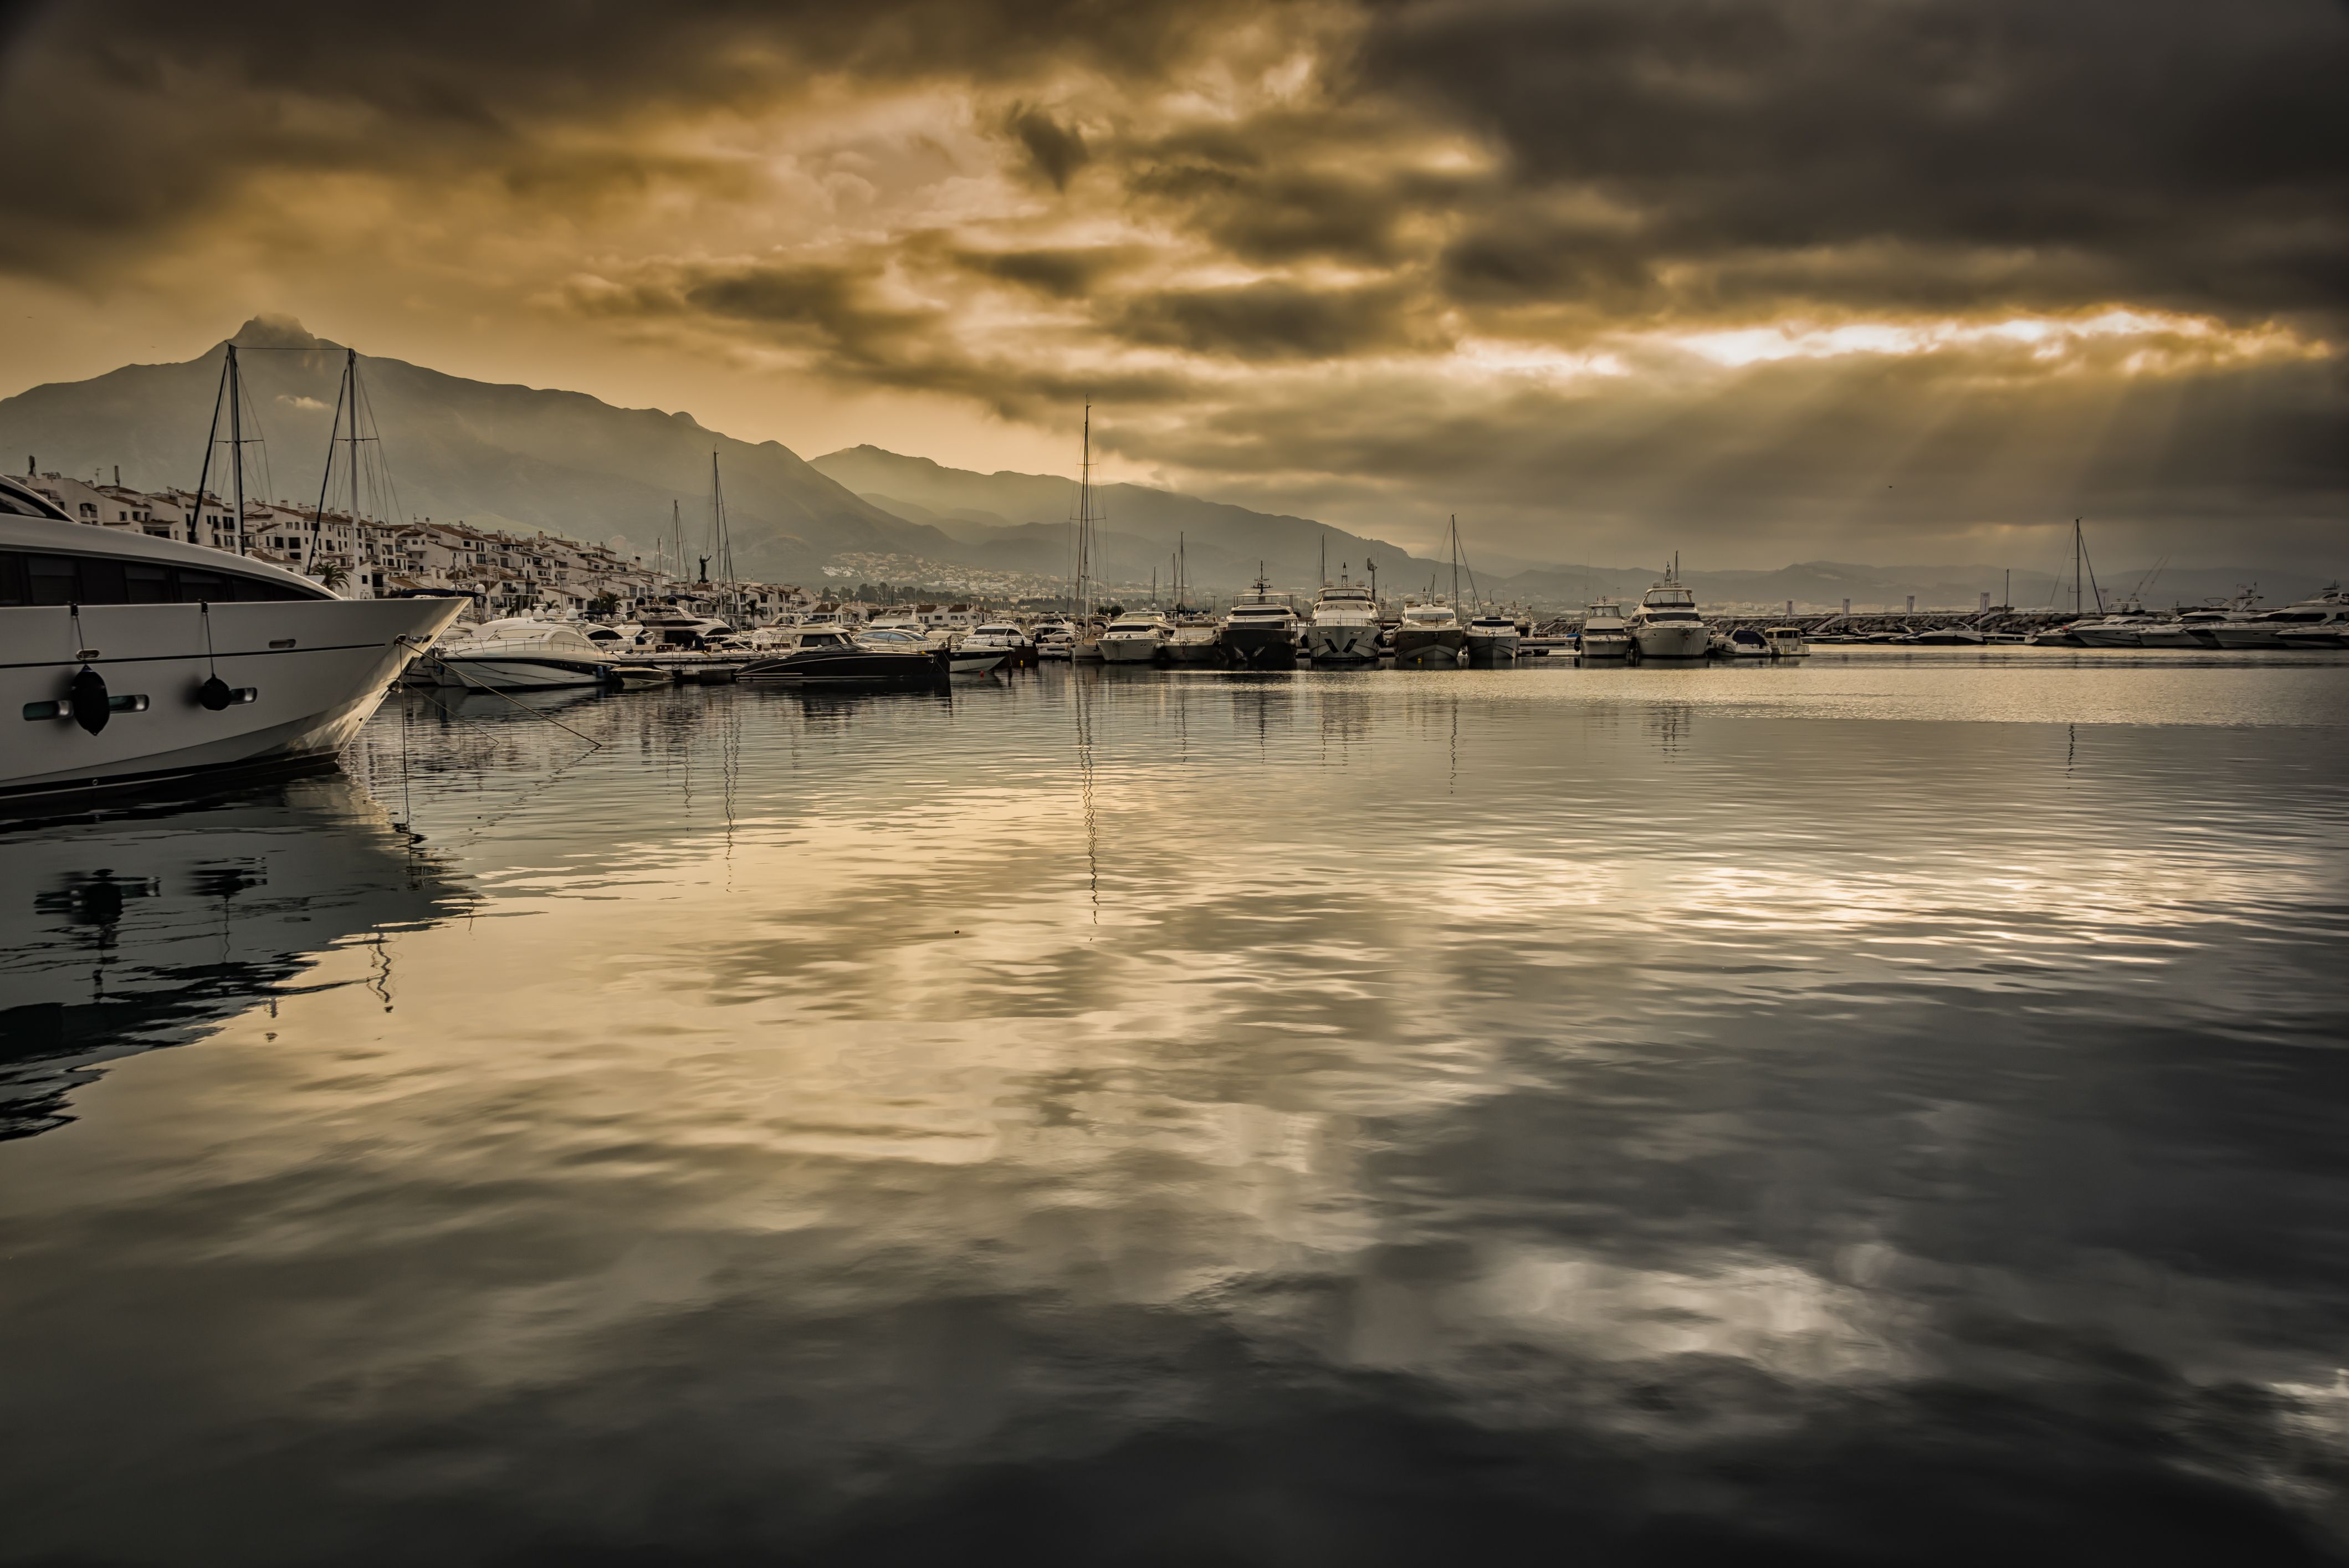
column 31, row 579
column 50, row 580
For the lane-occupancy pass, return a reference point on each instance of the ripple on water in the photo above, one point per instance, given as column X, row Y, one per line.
column 1274, row 1119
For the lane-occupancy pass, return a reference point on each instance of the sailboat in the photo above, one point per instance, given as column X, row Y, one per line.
column 1431, row 632
column 2082, row 571
column 1196, row 638
column 1085, row 642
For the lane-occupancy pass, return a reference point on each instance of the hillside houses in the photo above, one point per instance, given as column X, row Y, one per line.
column 540, row 573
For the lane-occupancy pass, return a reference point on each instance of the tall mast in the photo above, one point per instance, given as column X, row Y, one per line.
column 2079, row 553
column 351, row 387
column 723, row 541
column 237, row 439
column 211, row 441
column 1085, row 520
column 1455, row 564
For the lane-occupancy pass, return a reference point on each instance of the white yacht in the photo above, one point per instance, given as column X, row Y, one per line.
column 1195, row 640
column 2310, row 622
column 1492, row 637
column 1430, row 634
column 1605, row 634
column 1344, row 627
column 524, row 655
column 1666, row 624
column 2123, row 628
column 135, row 662
column 1785, row 641
column 893, row 637
column 1136, row 639
column 999, row 637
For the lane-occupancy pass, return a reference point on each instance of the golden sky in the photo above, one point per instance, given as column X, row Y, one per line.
column 1765, row 280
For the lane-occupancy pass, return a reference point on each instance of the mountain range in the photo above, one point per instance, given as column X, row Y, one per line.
column 511, row 457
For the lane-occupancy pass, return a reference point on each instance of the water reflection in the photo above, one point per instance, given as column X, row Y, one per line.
column 1263, row 1119
column 120, row 936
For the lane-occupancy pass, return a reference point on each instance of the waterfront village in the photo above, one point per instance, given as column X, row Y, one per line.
column 540, row 574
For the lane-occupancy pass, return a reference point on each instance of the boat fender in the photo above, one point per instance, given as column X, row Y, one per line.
column 215, row 695
column 88, row 698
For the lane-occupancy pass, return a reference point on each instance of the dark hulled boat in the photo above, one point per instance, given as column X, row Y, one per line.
column 1260, row 630
column 830, row 657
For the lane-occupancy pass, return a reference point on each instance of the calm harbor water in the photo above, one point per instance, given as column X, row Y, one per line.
column 1887, row 1109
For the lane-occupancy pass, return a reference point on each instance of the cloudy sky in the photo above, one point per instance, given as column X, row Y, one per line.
column 1891, row 281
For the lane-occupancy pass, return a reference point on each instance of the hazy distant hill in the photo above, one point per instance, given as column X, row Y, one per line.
column 500, row 456
column 518, row 457
column 1020, row 522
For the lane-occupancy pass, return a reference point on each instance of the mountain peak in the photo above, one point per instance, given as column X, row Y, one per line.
column 266, row 330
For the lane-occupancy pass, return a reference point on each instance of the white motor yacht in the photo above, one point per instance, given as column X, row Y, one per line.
column 897, row 637
column 999, row 637
column 1344, row 626
column 524, row 655
column 136, row 664
column 2310, row 622
column 1605, row 634
column 1492, row 637
column 2121, row 629
column 1136, row 639
column 1430, row 634
column 1666, row 624
column 1195, row 640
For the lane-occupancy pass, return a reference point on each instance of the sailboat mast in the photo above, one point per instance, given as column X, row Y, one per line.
column 1086, row 521
column 723, row 543
column 2078, row 554
column 237, row 439
column 1455, row 564
column 351, row 387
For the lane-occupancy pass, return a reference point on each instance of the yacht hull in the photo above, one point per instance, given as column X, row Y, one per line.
column 1258, row 647
column 522, row 672
column 860, row 667
column 1604, row 645
column 2100, row 637
column 2245, row 639
column 1341, row 643
column 1679, row 640
column 1185, row 650
column 1129, row 650
column 1429, row 646
column 1493, row 645
column 317, row 669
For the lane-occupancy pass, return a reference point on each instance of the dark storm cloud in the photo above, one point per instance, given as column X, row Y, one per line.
column 1069, row 272
column 124, row 117
column 1281, row 187
column 2176, row 152
column 840, row 321
column 1056, row 150
column 1268, row 320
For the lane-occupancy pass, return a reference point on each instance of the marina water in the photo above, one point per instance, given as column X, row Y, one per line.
column 1883, row 1110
